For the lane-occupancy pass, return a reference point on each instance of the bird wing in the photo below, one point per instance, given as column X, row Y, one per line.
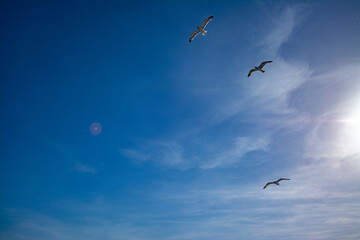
column 193, row 35
column 251, row 71
column 267, row 184
column 206, row 21
column 264, row 63
column 282, row 179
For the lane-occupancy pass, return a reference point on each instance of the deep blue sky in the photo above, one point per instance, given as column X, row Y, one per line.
column 188, row 140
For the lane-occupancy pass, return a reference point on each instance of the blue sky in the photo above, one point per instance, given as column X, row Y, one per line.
column 188, row 140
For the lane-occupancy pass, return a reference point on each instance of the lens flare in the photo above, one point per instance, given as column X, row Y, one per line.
column 348, row 136
column 95, row 128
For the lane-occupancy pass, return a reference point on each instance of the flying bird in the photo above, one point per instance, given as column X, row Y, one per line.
column 201, row 29
column 275, row 182
column 259, row 68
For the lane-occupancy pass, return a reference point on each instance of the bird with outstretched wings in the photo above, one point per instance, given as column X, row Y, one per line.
column 259, row 68
column 201, row 29
column 275, row 182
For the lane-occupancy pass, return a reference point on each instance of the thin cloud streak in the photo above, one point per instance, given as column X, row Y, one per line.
column 161, row 152
column 282, row 27
column 241, row 146
column 83, row 168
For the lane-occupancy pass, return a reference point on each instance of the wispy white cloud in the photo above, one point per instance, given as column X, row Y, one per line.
column 240, row 147
column 282, row 27
column 83, row 168
column 134, row 154
column 164, row 153
column 172, row 154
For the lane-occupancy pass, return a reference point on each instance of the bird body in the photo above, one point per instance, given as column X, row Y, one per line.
column 201, row 29
column 203, row 32
column 275, row 182
column 259, row 68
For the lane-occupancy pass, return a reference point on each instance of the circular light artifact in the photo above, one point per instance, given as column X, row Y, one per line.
column 95, row 128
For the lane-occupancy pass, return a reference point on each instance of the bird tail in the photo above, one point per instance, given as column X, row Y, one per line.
column 204, row 32
column 262, row 71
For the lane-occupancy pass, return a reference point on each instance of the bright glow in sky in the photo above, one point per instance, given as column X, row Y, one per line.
column 187, row 139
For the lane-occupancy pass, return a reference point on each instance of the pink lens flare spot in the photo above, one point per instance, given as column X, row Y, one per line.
column 95, row 128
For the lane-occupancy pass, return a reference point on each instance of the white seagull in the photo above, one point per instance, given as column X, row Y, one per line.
column 275, row 182
column 259, row 68
column 201, row 29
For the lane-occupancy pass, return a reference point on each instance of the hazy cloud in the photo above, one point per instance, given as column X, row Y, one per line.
column 83, row 168
column 241, row 146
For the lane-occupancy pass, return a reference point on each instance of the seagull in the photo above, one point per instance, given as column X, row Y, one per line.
column 275, row 182
column 201, row 29
column 259, row 68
